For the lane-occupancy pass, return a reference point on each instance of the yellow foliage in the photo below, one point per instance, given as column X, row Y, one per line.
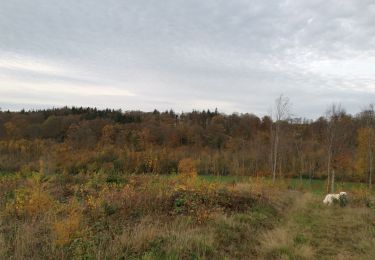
column 95, row 203
column 39, row 202
column 66, row 229
column 187, row 168
column 92, row 202
column 31, row 204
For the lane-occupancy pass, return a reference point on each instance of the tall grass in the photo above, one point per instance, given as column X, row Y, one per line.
column 87, row 216
column 103, row 216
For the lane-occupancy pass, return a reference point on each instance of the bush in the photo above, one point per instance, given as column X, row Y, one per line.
column 188, row 168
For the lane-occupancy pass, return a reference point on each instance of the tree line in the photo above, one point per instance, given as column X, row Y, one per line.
column 337, row 146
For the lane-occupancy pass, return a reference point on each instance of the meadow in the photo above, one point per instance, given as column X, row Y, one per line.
column 184, row 216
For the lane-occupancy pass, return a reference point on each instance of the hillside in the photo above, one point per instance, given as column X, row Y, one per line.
column 73, row 140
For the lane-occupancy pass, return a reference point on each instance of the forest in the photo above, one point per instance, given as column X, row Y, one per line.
column 76, row 140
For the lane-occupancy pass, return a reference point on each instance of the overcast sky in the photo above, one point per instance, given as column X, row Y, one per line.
column 236, row 55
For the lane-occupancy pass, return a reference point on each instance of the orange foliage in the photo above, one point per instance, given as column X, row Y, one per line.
column 188, row 168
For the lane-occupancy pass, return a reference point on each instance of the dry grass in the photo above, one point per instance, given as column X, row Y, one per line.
column 151, row 217
column 29, row 241
column 3, row 245
column 313, row 230
column 280, row 244
column 138, row 238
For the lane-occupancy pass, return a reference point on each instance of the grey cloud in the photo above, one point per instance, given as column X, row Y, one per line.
column 236, row 55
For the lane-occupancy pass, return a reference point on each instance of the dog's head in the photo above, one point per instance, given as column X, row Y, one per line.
column 343, row 193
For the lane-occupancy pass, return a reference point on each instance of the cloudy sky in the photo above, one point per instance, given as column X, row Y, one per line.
column 236, row 55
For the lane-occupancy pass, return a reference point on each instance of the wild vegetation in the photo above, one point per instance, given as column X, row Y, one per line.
column 183, row 216
column 82, row 183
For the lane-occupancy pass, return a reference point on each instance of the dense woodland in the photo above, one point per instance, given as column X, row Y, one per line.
column 86, row 140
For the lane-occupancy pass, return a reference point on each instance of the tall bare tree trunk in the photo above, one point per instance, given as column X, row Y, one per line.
column 370, row 171
column 281, row 112
column 370, row 157
column 274, row 155
column 370, row 142
column 333, row 117
column 302, row 169
column 328, row 170
column 333, row 182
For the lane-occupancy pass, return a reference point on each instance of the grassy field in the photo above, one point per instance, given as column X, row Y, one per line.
column 317, row 186
column 101, row 216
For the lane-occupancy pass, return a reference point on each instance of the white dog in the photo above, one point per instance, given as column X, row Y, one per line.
column 330, row 198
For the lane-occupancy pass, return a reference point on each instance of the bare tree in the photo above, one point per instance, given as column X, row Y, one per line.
column 371, row 151
column 368, row 116
column 280, row 112
column 335, row 140
column 370, row 142
column 298, row 142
